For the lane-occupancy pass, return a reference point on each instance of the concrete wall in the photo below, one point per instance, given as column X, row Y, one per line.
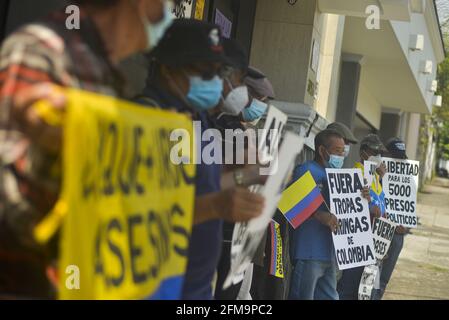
column 281, row 46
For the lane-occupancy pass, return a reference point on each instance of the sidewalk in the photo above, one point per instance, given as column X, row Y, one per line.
column 422, row 271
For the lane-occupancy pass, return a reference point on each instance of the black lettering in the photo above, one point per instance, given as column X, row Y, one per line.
column 115, row 225
column 134, row 250
column 181, row 231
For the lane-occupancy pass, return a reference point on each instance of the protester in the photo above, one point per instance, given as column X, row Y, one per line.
column 237, row 58
column 261, row 92
column 396, row 150
column 34, row 59
column 371, row 149
column 312, row 255
column 185, row 76
column 235, row 98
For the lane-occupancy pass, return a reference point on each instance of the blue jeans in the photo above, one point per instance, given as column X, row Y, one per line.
column 388, row 265
column 314, row 280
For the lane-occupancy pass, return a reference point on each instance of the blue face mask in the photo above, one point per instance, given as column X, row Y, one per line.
column 336, row 162
column 255, row 110
column 204, row 94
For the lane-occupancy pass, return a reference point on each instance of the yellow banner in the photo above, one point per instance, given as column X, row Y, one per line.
column 126, row 209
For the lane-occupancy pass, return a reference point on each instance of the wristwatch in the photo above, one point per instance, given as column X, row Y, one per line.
column 238, row 177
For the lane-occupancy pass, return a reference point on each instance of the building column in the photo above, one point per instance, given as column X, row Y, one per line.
column 351, row 68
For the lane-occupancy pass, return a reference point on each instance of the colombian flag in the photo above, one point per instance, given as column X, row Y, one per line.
column 300, row 200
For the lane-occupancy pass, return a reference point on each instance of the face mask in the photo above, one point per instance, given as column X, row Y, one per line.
column 156, row 31
column 336, row 162
column 204, row 94
column 347, row 149
column 256, row 109
column 377, row 159
column 236, row 100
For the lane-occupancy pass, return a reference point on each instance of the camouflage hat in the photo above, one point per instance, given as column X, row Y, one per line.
column 373, row 142
column 344, row 131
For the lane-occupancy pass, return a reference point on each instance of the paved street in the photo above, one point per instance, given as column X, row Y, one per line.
column 422, row 271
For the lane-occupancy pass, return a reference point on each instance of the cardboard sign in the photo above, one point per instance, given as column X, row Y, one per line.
column 353, row 240
column 368, row 281
column 270, row 135
column 369, row 172
column 383, row 232
column 400, row 185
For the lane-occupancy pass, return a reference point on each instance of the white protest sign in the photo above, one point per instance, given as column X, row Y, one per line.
column 369, row 171
column 383, row 233
column 291, row 146
column 247, row 236
column 243, row 247
column 353, row 239
column 400, row 185
column 367, row 281
column 270, row 135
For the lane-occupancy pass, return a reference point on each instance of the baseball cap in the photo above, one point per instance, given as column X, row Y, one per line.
column 396, row 148
column 373, row 142
column 258, row 82
column 344, row 131
column 189, row 41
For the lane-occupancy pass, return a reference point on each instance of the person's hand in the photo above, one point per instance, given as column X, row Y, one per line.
column 29, row 120
column 366, row 193
column 375, row 212
column 238, row 205
column 332, row 222
column 327, row 218
column 401, row 229
column 381, row 170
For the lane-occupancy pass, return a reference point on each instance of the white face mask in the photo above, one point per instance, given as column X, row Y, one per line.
column 236, row 100
column 156, row 31
column 347, row 150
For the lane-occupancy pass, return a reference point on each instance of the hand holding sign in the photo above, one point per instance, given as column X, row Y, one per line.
column 366, row 193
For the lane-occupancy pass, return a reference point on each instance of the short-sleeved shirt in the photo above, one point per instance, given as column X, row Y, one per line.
column 206, row 239
column 376, row 192
column 312, row 240
column 45, row 51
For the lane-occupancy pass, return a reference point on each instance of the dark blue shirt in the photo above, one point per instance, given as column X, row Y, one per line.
column 312, row 240
column 206, row 238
